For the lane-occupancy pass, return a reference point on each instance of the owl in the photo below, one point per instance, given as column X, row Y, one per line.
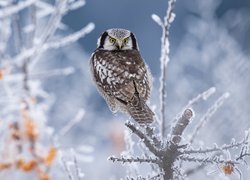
column 121, row 76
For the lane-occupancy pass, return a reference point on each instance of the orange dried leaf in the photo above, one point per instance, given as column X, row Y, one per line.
column 5, row 166
column 42, row 175
column 2, row 73
column 228, row 169
column 45, row 177
column 26, row 166
column 48, row 160
column 30, row 129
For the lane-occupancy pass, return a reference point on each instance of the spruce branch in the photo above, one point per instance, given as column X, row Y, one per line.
column 148, row 142
column 211, row 160
column 134, row 159
column 232, row 145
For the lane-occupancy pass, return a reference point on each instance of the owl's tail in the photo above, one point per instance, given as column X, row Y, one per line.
column 139, row 111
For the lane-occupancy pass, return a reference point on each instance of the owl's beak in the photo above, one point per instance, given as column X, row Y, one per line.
column 119, row 44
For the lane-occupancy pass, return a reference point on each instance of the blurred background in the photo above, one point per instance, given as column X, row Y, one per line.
column 209, row 47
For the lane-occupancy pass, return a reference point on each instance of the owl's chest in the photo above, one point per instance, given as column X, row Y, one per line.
column 116, row 68
column 120, row 61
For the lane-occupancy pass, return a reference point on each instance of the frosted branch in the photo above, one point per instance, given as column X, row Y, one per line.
column 158, row 20
column 56, row 72
column 150, row 133
column 54, row 21
column 165, row 25
column 133, row 159
column 180, row 126
column 48, row 9
column 210, row 112
column 148, row 143
column 244, row 152
column 27, row 53
column 203, row 96
column 75, row 5
column 213, row 160
column 232, row 145
column 66, row 168
column 12, row 9
column 71, row 123
column 78, row 173
column 71, row 38
column 40, row 75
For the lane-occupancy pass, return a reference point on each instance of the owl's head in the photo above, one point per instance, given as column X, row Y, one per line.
column 117, row 39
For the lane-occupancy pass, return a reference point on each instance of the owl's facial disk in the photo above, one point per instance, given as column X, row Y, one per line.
column 117, row 39
column 112, row 43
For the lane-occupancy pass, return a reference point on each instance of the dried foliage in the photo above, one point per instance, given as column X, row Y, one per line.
column 30, row 28
column 23, row 140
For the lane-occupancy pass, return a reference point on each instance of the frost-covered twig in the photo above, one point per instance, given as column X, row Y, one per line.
column 211, row 160
column 12, row 9
column 202, row 96
column 206, row 117
column 78, row 173
column 54, row 21
column 232, row 145
column 150, row 133
column 71, row 123
column 180, row 126
column 27, row 53
column 71, row 38
column 66, row 168
column 244, row 152
column 136, row 130
column 39, row 75
column 54, row 72
column 165, row 25
column 149, row 177
column 133, row 159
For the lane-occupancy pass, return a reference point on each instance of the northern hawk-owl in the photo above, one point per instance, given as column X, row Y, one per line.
column 121, row 75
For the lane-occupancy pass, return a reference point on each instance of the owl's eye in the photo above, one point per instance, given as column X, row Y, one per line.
column 112, row 40
column 125, row 41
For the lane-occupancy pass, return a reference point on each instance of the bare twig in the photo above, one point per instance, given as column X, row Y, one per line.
column 202, row 96
column 214, row 160
column 143, row 137
column 165, row 25
column 72, row 123
column 214, row 149
column 66, row 168
column 134, row 159
column 210, row 112
column 180, row 126
column 28, row 53
column 7, row 11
